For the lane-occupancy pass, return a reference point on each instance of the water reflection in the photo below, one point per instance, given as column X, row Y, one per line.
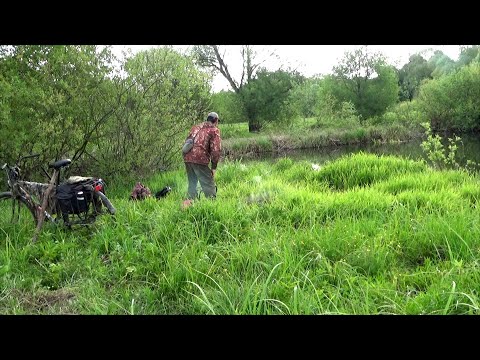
column 468, row 149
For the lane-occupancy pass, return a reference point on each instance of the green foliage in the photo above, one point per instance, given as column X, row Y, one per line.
column 412, row 74
column 229, row 106
column 365, row 80
column 69, row 101
column 441, row 156
column 257, row 109
column 59, row 100
column 304, row 97
column 330, row 111
column 442, row 64
column 381, row 93
column 163, row 95
column 452, row 102
column 237, row 130
column 406, row 113
column 269, row 96
column 468, row 54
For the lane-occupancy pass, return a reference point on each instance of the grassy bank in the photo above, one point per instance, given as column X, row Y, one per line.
column 307, row 134
column 361, row 235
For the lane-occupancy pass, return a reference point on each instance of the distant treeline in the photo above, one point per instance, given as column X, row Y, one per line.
column 128, row 116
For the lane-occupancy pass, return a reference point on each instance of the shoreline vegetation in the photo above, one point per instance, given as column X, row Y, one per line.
column 237, row 142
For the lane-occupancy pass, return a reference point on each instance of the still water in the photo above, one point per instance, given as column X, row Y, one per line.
column 468, row 149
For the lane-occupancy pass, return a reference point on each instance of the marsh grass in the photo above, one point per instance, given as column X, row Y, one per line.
column 364, row 234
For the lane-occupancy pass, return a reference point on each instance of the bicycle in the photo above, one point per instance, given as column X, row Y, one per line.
column 75, row 201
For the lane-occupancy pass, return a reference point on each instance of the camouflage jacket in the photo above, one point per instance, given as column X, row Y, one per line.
column 207, row 145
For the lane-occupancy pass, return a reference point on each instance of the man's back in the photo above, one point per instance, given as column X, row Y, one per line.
column 207, row 145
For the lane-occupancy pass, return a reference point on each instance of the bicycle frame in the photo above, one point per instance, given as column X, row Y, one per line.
column 41, row 211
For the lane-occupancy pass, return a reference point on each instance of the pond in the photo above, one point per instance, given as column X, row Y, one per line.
column 468, row 149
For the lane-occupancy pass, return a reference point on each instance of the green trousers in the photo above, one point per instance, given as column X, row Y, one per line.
column 200, row 173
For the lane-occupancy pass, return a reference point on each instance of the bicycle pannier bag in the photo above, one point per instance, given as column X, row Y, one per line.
column 74, row 198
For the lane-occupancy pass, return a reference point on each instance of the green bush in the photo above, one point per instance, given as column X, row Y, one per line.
column 452, row 102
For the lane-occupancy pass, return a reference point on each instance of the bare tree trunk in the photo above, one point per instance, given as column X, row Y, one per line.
column 253, row 126
column 253, row 123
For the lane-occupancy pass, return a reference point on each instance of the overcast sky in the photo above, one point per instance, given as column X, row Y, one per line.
column 312, row 59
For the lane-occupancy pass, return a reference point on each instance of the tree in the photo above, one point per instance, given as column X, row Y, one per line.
column 269, row 94
column 442, row 64
column 305, row 97
column 214, row 58
column 56, row 103
column 229, row 105
column 412, row 74
column 68, row 101
column 163, row 94
column 366, row 80
column 452, row 102
column 467, row 55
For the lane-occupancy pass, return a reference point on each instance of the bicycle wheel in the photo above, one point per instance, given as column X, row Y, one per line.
column 18, row 207
column 106, row 202
column 5, row 195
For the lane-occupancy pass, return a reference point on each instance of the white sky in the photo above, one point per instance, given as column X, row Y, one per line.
column 310, row 59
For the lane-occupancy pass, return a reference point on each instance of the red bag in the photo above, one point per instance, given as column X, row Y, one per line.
column 140, row 192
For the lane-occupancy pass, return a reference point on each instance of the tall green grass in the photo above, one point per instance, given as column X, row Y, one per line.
column 364, row 234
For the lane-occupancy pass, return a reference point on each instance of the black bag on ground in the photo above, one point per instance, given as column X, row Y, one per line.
column 74, row 198
column 163, row 192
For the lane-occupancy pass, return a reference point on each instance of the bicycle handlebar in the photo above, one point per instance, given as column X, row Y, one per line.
column 28, row 156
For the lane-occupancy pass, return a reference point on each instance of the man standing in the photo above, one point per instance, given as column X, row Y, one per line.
column 206, row 148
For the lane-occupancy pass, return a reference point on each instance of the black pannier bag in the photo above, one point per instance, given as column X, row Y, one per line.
column 74, row 198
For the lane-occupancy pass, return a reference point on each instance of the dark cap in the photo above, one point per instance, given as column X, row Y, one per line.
column 213, row 115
